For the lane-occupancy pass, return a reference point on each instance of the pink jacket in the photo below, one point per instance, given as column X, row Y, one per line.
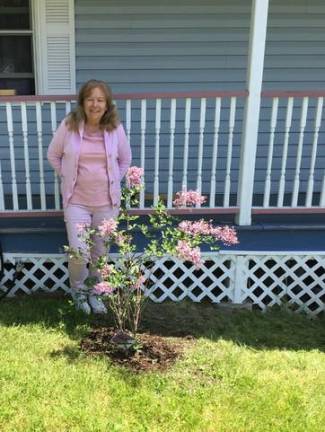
column 63, row 155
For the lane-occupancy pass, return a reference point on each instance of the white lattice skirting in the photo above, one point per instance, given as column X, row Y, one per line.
column 261, row 278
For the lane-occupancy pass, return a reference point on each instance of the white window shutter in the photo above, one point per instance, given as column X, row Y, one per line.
column 54, row 46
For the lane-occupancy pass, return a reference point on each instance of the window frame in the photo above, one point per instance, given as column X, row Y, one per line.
column 45, row 79
column 24, row 32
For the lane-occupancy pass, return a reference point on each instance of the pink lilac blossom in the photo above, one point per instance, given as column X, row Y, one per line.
column 140, row 281
column 225, row 234
column 187, row 253
column 188, row 198
column 107, row 227
column 106, row 270
column 200, row 227
column 134, row 176
column 103, row 288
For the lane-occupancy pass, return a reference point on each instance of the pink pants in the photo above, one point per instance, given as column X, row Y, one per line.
column 76, row 214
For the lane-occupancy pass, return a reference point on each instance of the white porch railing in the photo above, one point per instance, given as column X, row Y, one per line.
column 290, row 156
column 182, row 141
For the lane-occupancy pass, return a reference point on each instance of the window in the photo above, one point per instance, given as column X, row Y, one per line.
column 16, row 48
column 37, row 47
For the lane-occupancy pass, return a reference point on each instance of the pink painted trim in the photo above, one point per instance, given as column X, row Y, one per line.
column 185, row 211
column 30, row 214
column 124, row 96
column 288, row 210
column 170, row 95
column 138, row 212
column 50, row 98
column 286, row 94
column 190, row 211
column 175, row 95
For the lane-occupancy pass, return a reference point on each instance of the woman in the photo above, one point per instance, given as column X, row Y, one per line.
column 91, row 154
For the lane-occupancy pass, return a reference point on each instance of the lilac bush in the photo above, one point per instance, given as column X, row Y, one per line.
column 124, row 283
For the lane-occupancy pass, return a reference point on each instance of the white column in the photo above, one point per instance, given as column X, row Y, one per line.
column 255, row 66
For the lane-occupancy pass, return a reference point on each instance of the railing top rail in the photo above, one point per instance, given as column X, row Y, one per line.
column 170, row 95
column 292, row 93
column 182, row 95
column 124, row 96
column 132, row 211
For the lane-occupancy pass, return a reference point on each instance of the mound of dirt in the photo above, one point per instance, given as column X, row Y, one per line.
column 151, row 352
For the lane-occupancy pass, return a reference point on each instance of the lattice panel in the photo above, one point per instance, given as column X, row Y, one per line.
column 43, row 272
column 168, row 278
column 172, row 279
column 296, row 280
column 261, row 279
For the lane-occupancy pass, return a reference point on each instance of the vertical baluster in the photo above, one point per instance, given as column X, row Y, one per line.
column 267, row 188
column 26, row 155
column 128, row 134
column 186, row 141
column 40, row 154
column 303, row 119
column 215, row 151
column 318, row 119
column 171, row 151
column 128, row 119
column 56, row 182
column 232, row 113
column 67, row 108
column 157, row 129
column 288, row 122
column 2, row 197
column 12, row 156
column 322, row 195
column 143, row 144
column 200, row 150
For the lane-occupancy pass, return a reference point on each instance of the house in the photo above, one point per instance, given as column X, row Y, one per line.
column 222, row 96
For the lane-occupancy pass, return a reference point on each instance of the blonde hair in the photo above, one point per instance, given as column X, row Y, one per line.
column 110, row 119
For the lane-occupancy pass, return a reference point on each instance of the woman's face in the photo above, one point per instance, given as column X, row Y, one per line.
column 95, row 105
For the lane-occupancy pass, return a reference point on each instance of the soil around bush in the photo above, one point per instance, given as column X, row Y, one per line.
column 152, row 353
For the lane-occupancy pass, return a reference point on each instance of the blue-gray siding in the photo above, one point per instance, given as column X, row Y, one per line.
column 171, row 45
column 177, row 45
column 190, row 45
column 186, row 45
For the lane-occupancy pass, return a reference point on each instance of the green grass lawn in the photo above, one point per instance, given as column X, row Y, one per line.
column 244, row 371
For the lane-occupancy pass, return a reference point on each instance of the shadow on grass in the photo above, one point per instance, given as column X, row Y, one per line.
column 51, row 311
column 72, row 353
column 275, row 329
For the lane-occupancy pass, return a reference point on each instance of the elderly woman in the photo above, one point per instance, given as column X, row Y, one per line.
column 91, row 154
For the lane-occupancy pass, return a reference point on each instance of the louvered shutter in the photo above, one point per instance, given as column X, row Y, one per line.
column 55, row 46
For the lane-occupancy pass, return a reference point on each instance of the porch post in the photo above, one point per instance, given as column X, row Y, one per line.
column 254, row 78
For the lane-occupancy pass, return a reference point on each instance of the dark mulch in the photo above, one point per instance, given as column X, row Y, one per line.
column 154, row 352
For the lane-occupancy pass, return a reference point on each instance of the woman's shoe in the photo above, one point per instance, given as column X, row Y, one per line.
column 97, row 305
column 81, row 303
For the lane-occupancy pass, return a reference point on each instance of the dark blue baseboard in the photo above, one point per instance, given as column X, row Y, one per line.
column 268, row 233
